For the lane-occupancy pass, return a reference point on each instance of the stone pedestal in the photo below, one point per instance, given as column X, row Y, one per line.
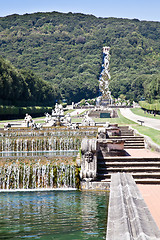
column 89, row 159
column 112, row 148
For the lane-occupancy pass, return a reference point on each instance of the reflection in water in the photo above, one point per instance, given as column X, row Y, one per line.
column 53, row 215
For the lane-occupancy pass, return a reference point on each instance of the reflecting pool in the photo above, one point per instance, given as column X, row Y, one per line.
column 57, row 215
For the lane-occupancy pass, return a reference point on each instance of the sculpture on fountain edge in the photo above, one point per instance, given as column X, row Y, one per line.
column 101, row 146
column 58, row 118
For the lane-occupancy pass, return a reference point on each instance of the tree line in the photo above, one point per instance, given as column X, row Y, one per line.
column 22, row 87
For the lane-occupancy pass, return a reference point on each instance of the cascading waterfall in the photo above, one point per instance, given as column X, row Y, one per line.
column 47, row 173
column 43, row 144
column 37, row 176
column 63, row 133
column 105, row 93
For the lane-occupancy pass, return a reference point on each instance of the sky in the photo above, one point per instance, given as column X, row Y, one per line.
column 141, row 9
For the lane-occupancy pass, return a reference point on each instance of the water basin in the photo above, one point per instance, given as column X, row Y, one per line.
column 61, row 215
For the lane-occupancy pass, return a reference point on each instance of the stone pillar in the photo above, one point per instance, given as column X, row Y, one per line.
column 72, row 105
column 102, row 133
column 89, row 159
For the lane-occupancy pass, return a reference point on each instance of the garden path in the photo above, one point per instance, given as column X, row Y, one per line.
column 148, row 122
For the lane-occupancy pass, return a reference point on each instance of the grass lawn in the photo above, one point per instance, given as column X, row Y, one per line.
column 121, row 120
column 140, row 112
column 76, row 120
column 152, row 133
column 13, row 120
column 85, row 110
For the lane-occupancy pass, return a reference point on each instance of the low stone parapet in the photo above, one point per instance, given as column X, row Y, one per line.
column 128, row 216
column 95, row 185
column 113, row 147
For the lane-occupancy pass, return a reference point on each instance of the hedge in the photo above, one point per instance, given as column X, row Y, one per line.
column 152, row 107
column 12, row 110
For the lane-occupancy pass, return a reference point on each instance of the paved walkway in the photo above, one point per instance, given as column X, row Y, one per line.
column 151, row 195
column 149, row 122
column 146, row 153
column 77, row 111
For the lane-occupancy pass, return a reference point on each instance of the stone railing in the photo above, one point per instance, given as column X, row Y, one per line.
column 128, row 216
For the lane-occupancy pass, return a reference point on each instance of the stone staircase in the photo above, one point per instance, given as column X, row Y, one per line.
column 131, row 141
column 126, row 131
column 143, row 170
column 134, row 142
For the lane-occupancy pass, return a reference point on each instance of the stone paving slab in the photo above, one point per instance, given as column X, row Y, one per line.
column 77, row 111
column 150, row 192
column 142, row 153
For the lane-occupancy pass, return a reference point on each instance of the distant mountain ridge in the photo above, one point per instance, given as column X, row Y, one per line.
column 66, row 50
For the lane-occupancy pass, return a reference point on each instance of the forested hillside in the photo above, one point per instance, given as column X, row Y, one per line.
column 66, row 50
column 21, row 87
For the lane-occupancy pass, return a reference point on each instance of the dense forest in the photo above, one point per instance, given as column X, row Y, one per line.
column 21, row 87
column 66, row 51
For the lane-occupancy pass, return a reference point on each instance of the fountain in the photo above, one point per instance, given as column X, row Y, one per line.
column 88, row 121
column 105, row 97
column 39, row 144
column 20, row 145
column 58, row 118
column 37, row 174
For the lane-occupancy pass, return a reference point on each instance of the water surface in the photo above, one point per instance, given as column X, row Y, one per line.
column 57, row 215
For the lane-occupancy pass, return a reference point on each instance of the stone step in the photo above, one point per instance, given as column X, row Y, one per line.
column 141, row 145
column 147, row 181
column 138, row 181
column 124, row 127
column 130, row 144
column 127, row 164
column 127, row 159
column 127, row 137
column 134, row 141
column 127, row 134
column 134, row 147
column 129, row 169
column 141, row 175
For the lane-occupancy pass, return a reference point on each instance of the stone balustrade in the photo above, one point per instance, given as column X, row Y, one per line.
column 128, row 216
